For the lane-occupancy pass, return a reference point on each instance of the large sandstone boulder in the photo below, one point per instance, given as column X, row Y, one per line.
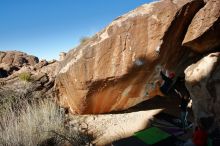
column 203, row 83
column 204, row 32
column 109, row 72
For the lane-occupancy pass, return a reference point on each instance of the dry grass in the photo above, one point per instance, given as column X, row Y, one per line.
column 38, row 123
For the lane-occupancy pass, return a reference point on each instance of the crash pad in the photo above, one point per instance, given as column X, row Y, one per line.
column 152, row 135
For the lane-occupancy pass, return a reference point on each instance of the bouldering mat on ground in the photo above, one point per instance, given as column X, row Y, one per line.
column 134, row 141
column 167, row 127
column 170, row 118
column 152, row 135
column 171, row 141
column 174, row 131
column 130, row 141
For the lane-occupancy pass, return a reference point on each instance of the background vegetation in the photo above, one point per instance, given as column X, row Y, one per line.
column 37, row 123
column 84, row 39
column 25, row 76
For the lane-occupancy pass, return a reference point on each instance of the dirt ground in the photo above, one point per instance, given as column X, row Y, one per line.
column 107, row 128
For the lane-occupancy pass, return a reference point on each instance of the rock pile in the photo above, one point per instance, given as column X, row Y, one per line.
column 24, row 75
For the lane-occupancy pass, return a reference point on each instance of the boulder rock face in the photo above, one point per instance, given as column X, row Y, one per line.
column 204, row 31
column 110, row 71
column 203, row 82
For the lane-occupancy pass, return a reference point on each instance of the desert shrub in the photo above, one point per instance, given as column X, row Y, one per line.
column 38, row 123
column 15, row 101
column 6, row 103
column 84, row 39
column 25, row 76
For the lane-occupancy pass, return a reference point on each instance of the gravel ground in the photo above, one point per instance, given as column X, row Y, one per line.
column 107, row 128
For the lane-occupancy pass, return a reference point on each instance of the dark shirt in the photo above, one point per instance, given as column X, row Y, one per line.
column 167, row 83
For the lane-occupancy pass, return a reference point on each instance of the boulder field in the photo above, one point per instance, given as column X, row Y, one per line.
column 12, row 61
column 117, row 68
column 23, row 75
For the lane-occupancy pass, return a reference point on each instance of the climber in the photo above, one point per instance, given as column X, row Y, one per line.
column 161, row 88
column 184, row 112
column 184, row 95
column 167, row 85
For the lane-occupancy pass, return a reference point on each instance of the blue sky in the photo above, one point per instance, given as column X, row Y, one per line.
column 45, row 28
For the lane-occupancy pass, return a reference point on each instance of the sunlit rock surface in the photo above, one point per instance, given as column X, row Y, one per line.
column 203, row 83
column 204, row 31
column 109, row 72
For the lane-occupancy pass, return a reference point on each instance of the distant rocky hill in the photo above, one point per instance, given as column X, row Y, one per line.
column 23, row 75
column 11, row 61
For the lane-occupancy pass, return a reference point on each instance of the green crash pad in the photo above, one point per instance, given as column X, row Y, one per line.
column 209, row 142
column 152, row 135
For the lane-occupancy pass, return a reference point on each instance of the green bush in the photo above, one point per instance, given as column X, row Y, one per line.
column 25, row 76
